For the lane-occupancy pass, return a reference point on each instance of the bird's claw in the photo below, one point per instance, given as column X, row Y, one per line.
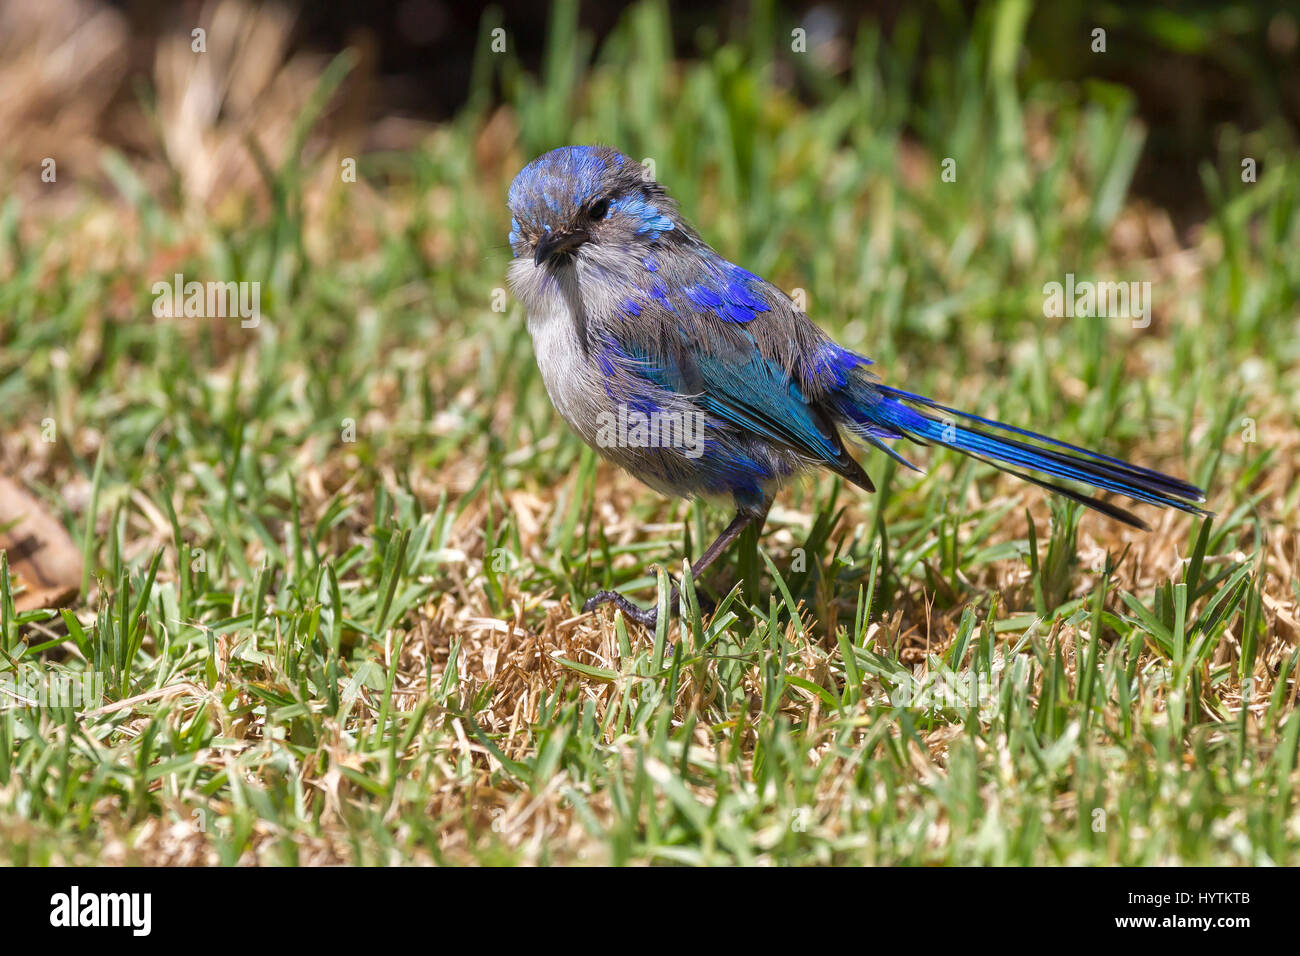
column 646, row 617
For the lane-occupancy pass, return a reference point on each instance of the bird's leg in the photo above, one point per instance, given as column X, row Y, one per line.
column 647, row 617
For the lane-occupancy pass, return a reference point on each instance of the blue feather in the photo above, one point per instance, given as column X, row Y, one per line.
column 871, row 408
column 755, row 396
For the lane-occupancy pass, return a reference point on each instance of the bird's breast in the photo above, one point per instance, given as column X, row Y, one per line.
column 571, row 380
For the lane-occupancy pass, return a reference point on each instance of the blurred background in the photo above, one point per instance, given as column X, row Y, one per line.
column 76, row 71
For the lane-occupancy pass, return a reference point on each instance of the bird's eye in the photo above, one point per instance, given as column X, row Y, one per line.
column 599, row 208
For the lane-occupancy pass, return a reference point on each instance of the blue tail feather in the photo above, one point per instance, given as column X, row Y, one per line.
column 872, row 410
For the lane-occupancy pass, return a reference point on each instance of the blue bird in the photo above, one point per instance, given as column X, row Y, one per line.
column 704, row 381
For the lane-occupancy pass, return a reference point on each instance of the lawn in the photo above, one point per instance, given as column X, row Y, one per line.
column 334, row 560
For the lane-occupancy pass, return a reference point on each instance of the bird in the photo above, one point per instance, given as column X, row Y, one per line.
column 705, row 381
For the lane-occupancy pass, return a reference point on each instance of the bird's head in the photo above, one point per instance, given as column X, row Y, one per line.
column 579, row 195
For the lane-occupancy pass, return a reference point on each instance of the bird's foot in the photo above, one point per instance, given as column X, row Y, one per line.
column 646, row 617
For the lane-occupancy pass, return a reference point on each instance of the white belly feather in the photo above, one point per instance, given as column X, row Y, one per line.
column 570, row 379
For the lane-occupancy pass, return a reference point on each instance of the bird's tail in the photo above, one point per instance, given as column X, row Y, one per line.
column 876, row 414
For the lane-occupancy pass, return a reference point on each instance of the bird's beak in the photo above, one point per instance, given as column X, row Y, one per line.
column 556, row 244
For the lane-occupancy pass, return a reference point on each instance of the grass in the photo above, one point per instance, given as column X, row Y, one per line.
column 333, row 561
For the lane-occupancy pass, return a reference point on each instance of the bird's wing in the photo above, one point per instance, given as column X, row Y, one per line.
column 709, row 338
